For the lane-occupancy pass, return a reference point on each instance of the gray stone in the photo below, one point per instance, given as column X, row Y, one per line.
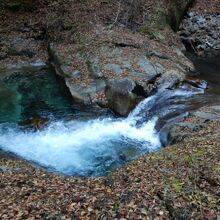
column 204, row 115
column 159, row 68
column 191, row 125
column 147, row 67
column 94, row 68
column 61, row 69
column 22, row 47
column 67, row 71
column 114, row 68
column 158, row 54
column 76, row 74
column 216, row 108
column 85, row 94
column 138, row 74
column 111, row 52
column 127, row 64
column 171, row 78
column 121, row 96
column 5, row 168
column 10, row 169
column 38, row 63
column 180, row 130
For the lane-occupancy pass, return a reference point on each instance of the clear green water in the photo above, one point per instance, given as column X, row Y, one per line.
column 40, row 122
column 31, row 94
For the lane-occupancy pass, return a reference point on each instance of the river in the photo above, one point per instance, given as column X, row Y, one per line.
column 40, row 123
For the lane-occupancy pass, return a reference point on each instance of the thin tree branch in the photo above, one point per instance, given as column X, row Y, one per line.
column 116, row 18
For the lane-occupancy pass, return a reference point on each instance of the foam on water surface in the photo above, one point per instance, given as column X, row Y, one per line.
column 75, row 141
column 79, row 147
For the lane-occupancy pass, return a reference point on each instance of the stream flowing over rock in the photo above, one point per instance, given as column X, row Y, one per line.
column 92, row 92
column 39, row 121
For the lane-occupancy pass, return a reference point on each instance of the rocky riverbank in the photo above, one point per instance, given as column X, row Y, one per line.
column 111, row 59
column 193, row 123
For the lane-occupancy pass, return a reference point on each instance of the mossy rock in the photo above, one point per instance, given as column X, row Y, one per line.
column 153, row 33
column 168, row 15
column 158, row 18
column 176, row 11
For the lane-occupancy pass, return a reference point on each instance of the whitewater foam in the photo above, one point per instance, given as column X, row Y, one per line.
column 95, row 146
column 73, row 147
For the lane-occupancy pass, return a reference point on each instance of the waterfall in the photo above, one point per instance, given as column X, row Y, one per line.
column 94, row 147
column 79, row 147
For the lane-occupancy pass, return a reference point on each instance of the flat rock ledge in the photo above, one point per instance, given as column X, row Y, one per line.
column 195, row 122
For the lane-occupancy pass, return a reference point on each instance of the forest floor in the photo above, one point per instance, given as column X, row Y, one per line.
column 26, row 30
column 207, row 6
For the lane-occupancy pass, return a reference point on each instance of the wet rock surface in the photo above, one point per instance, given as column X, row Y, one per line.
column 192, row 124
column 200, row 32
column 123, row 95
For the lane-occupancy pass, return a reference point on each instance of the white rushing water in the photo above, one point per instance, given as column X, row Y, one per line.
column 89, row 148
column 76, row 146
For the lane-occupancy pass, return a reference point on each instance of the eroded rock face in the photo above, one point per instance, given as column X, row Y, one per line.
column 85, row 94
column 92, row 50
column 177, row 10
column 193, row 123
column 110, row 65
column 201, row 32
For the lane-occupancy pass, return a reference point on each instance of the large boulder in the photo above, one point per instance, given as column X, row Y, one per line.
column 117, row 71
column 171, row 78
column 123, row 95
column 85, row 94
